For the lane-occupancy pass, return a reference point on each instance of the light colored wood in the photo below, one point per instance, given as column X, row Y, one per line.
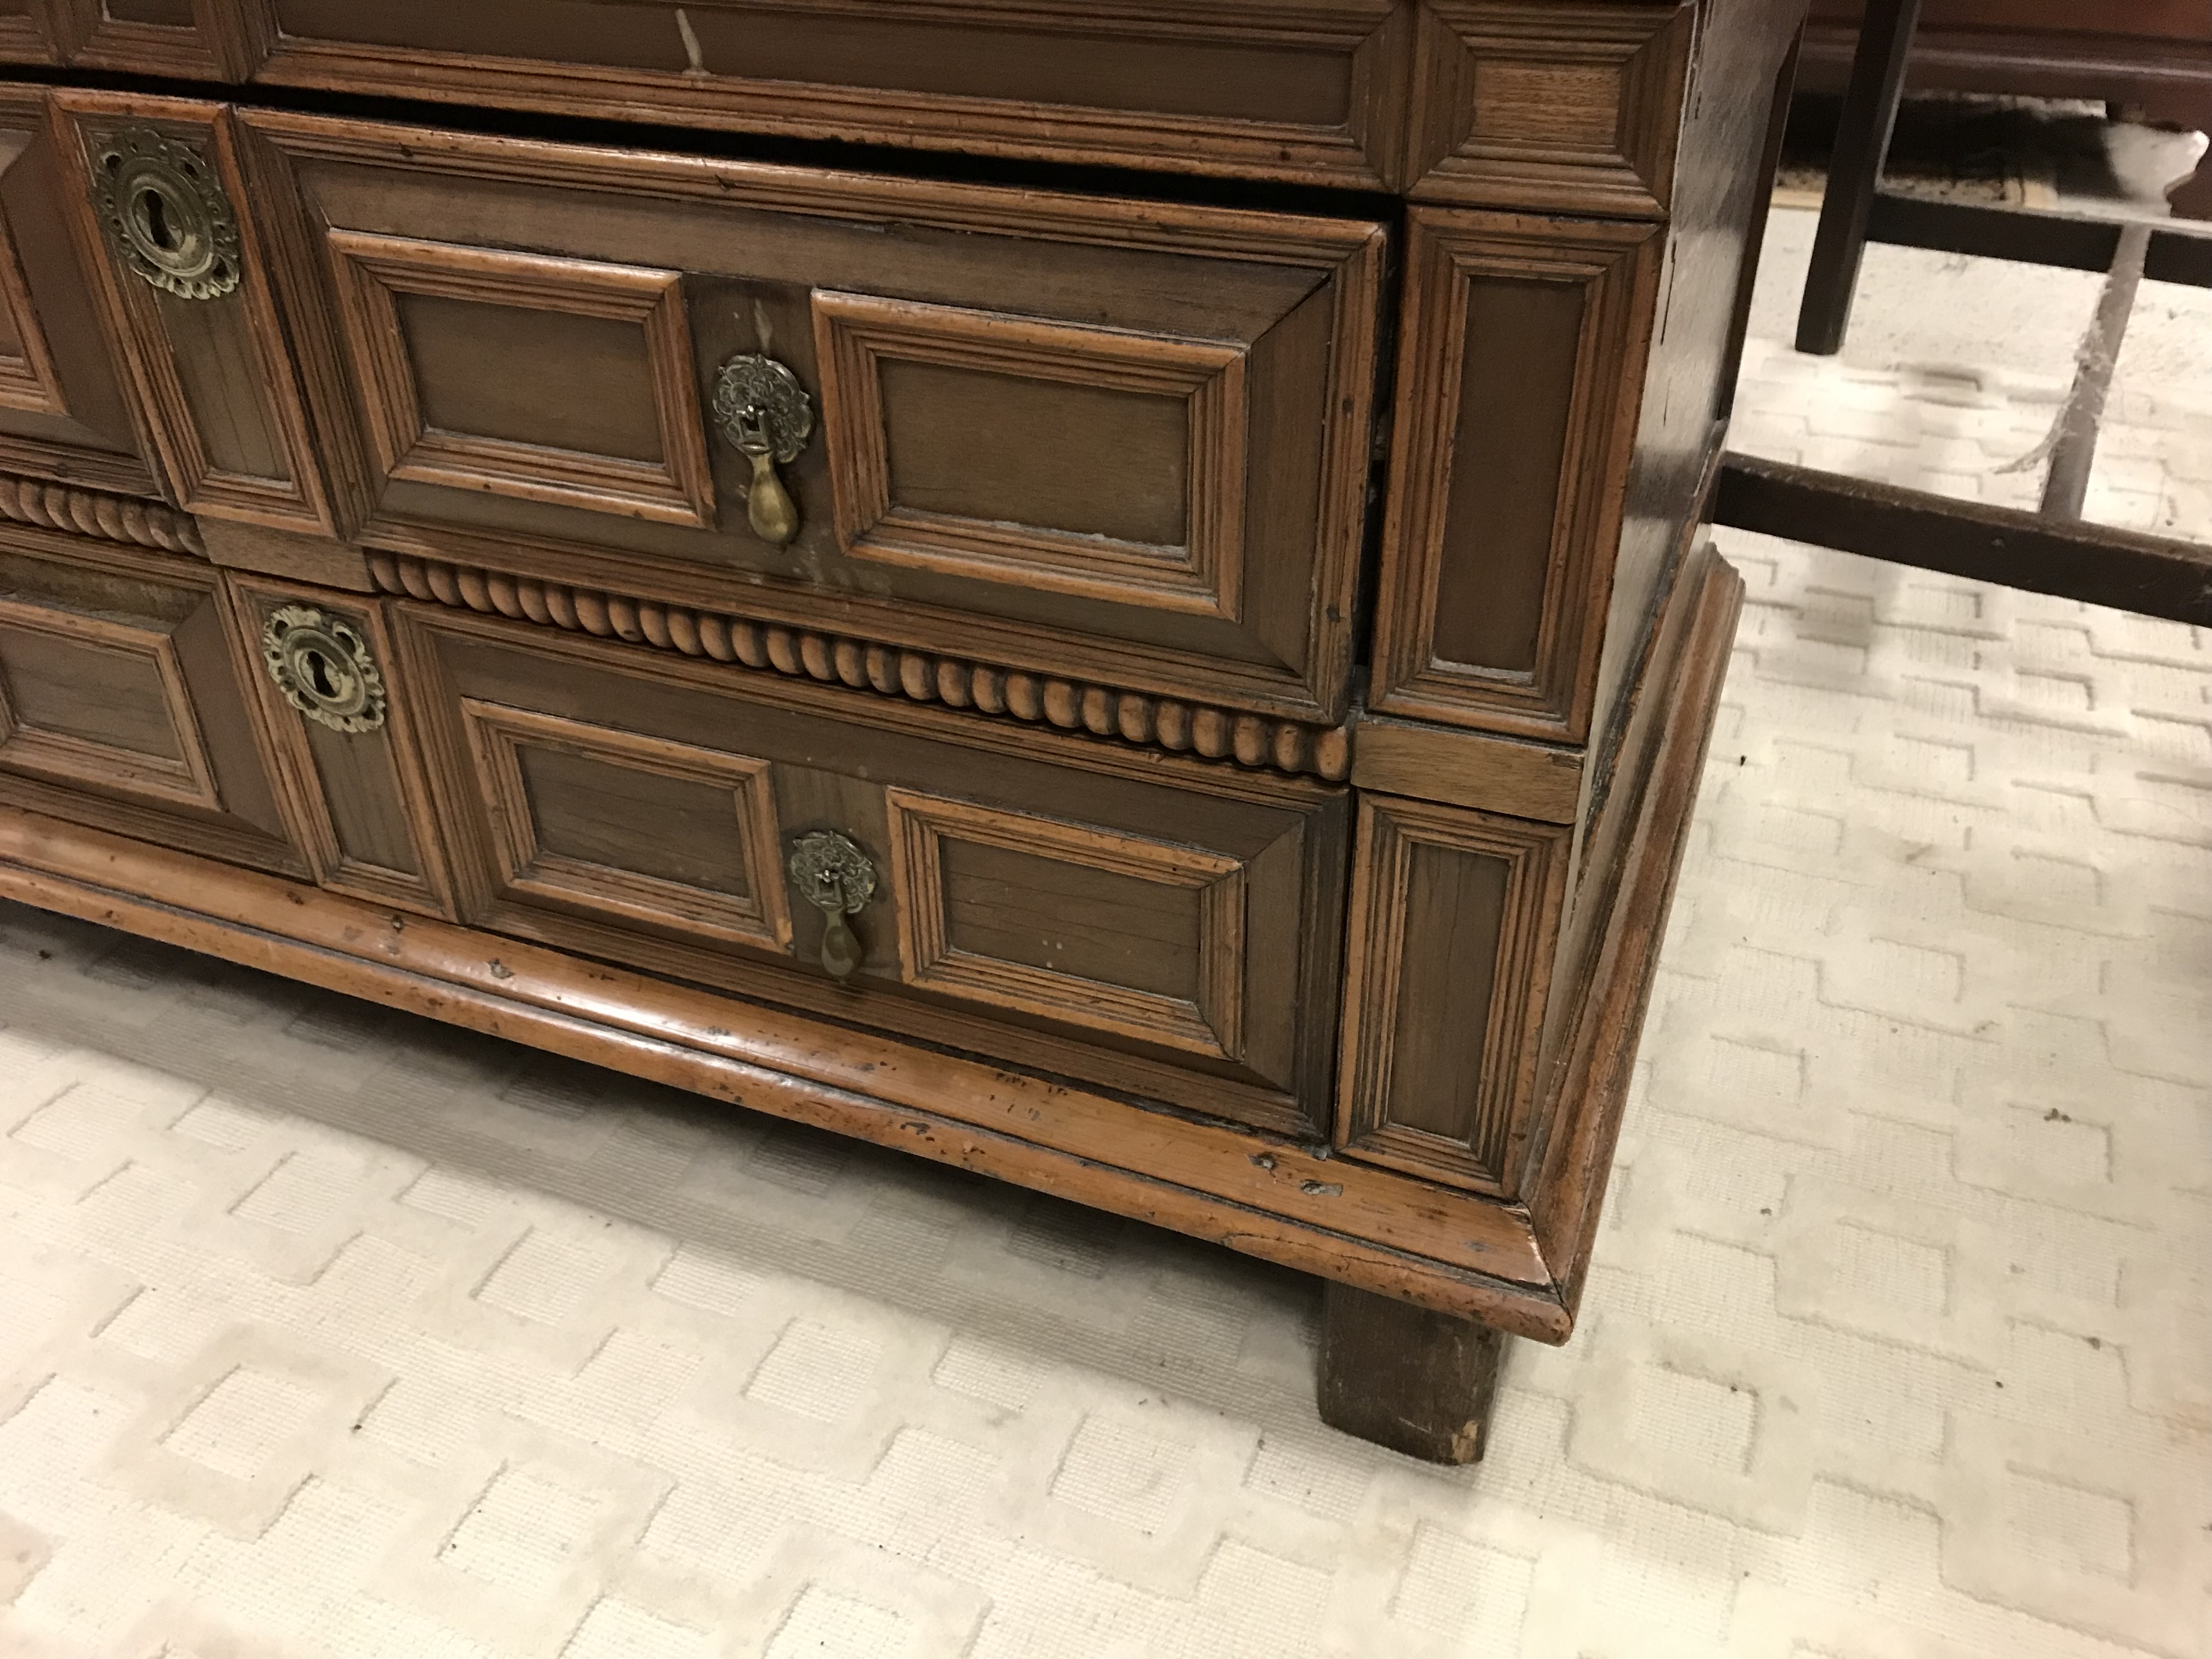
column 1259, row 1193
column 374, row 271
column 856, row 334
column 1211, row 1022
column 286, row 553
column 1468, row 769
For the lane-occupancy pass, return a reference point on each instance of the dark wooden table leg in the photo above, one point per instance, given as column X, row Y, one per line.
column 1417, row 1381
column 1869, row 117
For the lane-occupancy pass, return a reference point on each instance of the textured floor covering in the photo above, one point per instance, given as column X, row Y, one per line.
column 325, row 1332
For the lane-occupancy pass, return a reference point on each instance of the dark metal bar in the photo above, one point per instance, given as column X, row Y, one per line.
column 2024, row 234
column 2073, row 442
column 2096, row 564
column 1870, row 119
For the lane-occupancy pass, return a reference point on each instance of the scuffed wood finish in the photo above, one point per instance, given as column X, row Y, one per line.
column 1257, row 1192
column 190, row 39
column 26, row 36
column 1039, row 482
column 985, row 688
column 216, row 377
column 65, row 411
column 120, row 704
column 1453, row 922
column 357, row 801
column 1520, row 358
column 1549, row 106
column 1468, row 768
column 1093, row 894
column 1407, row 1377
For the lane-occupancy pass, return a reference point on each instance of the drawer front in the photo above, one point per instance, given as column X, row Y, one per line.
column 1287, row 89
column 1164, row 926
column 120, row 700
column 195, row 39
column 64, row 413
column 1106, row 440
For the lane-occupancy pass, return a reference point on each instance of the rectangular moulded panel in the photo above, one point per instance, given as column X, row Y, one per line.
column 1521, row 373
column 1455, row 917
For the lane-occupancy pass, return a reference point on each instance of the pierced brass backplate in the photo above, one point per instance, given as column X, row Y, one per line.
column 165, row 213
column 837, row 878
column 323, row 666
column 764, row 411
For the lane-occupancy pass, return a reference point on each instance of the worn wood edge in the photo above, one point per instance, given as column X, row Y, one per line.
column 861, row 665
column 1397, row 1236
column 1461, row 768
column 1599, row 1053
column 106, row 518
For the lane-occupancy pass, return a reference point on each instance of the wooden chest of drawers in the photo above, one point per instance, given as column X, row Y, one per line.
column 1111, row 593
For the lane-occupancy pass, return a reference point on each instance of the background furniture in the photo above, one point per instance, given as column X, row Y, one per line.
column 2153, row 56
column 1144, row 633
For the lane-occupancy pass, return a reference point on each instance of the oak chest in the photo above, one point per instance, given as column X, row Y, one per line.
column 1111, row 594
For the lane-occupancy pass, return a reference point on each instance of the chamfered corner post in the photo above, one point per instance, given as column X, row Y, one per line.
column 1419, row 1382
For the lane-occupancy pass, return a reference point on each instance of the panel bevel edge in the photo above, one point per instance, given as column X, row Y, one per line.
column 1535, row 856
column 1616, row 265
column 371, row 269
column 854, row 332
column 496, row 733
column 1211, row 1024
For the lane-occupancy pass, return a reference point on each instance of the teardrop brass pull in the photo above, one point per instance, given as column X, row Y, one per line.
column 766, row 414
column 836, row 877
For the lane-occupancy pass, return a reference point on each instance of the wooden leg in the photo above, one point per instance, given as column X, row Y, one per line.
column 1854, row 173
column 1417, row 1381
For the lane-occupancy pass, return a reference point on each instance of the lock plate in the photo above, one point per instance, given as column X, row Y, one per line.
column 323, row 666
column 165, row 214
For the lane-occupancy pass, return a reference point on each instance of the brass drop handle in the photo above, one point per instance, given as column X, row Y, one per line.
column 767, row 415
column 836, row 877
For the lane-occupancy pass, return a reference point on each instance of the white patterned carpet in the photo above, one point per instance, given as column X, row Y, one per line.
column 328, row 1333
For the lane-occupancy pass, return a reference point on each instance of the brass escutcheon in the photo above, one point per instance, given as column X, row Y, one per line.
column 766, row 414
column 323, row 666
column 837, row 878
column 165, row 214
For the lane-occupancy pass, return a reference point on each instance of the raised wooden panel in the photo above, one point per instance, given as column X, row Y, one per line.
column 1521, row 373
column 218, row 378
column 193, row 40
column 623, row 433
column 64, row 412
column 1549, row 105
column 1454, row 917
column 1116, row 931
column 85, row 700
column 667, row 835
column 969, row 442
column 1295, row 90
column 1118, row 443
column 356, row 800
column 120, row 700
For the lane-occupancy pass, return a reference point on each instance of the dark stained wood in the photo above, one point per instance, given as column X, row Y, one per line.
column 120, row 703
column 2096, row 564
column 1257, row 1192
column 1417, row 1381
column 1254, row 333
column 2179, row 252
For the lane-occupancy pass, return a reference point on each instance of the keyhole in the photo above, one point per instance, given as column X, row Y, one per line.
column 319, row 675
column 154, row 218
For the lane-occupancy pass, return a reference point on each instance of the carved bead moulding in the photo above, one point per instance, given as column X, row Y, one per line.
column 89, row 513
column 1212, row 733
